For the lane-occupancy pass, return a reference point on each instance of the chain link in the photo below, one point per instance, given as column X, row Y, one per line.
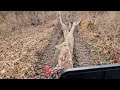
column 56, row 73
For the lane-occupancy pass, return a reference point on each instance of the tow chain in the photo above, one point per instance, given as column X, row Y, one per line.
column 53, row 73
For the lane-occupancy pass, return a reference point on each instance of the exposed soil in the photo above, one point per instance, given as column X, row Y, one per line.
column 28, row 39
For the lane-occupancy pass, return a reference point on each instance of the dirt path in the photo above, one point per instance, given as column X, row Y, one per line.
column 46, row 56
column 82, row 55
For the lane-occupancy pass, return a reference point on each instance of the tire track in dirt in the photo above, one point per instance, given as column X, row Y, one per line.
column 82, row 55
column 46, row 55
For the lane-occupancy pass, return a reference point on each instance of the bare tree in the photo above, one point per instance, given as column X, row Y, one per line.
column 66, row 47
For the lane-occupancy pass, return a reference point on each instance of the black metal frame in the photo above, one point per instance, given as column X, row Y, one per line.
column 110, row 71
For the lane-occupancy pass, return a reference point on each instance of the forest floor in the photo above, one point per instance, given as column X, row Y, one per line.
column 28, row 39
